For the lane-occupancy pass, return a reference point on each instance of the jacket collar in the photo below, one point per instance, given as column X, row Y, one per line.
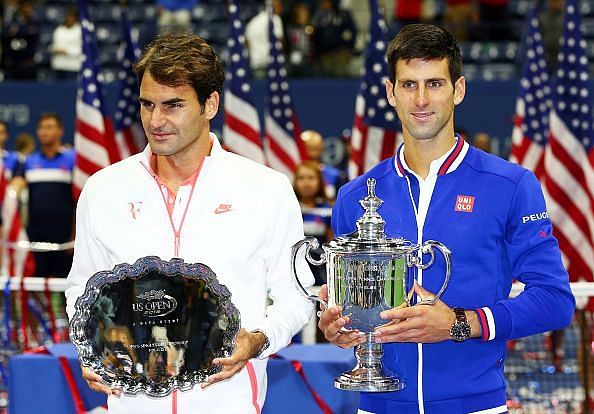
column 447, row 163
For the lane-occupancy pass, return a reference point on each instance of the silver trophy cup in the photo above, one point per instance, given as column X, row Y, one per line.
column 369, row 273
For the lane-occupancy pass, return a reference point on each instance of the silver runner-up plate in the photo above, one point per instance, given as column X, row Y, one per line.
column 154, row 326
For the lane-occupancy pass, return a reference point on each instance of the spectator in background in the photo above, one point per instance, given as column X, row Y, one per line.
column 482, row 140
column 315, row 208
column 20, row 38
column 412, row 11
column 314, row 148
column 174, row 15
column 10, row 160
column 48, row 178
column 24, row 144
column 334, row 38
column 66, row 47
column 457, row 17
column 550, row 19
column 299, row 37
column 256, row 35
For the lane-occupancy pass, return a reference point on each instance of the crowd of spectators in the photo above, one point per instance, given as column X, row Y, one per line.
column 321, row 38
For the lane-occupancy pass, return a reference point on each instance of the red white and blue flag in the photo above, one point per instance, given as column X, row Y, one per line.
column 94, row 137
column 241, row 129
column 376, row 126
column 533, row 106
column 283, row 144
column 129, row 135
column 569, row 153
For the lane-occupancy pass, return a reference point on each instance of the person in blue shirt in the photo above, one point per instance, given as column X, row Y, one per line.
column 48, row 177
column 489, row 212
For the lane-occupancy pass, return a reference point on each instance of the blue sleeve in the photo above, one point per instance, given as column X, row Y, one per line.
column 535, row 260
column 339, row 222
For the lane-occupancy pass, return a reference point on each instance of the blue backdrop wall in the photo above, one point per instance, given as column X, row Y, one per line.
column 324, row 105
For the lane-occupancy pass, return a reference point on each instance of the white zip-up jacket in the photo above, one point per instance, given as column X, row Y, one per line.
column 241, row 219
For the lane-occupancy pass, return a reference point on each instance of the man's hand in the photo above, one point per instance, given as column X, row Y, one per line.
column 331, row 324
column 94, row 382
column 420, row 323
column 247, row 346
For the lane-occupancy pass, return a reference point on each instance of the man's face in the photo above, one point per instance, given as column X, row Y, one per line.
column 49, row 131
column 424, row 97
column 172, row 118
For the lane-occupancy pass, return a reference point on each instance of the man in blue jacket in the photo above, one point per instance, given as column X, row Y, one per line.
column 490, row 213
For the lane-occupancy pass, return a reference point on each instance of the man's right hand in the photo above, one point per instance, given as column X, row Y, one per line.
column 94, row 381
column 331, row 324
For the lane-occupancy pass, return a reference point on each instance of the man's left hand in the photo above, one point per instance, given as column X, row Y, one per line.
column 247, row 346
column 419, row 323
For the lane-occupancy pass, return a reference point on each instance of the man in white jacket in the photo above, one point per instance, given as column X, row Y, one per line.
column 184, row 196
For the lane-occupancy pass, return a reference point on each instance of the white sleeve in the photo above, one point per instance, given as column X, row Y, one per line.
column 290, row 310
column 89, row 254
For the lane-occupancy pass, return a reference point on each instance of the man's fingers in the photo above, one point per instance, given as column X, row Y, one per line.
column 226, row 373
column 324, row 293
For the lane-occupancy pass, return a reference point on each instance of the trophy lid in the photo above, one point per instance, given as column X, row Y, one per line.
column 370, row 235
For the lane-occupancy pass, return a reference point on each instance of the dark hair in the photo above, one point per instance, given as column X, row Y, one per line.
column 177, row 59
column 427, row 42
column 51, row 115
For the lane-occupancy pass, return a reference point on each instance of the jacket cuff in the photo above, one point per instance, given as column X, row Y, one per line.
column 495, row 322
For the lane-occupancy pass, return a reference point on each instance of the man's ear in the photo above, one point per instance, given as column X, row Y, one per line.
column 390, row 93
column 211, row 106
column 459, row 90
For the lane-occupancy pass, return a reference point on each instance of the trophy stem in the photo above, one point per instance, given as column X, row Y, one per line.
column 369, row 375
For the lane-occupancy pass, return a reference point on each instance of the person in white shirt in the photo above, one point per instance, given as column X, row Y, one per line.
column 184, row 196
column 66, row 47
column 256, row 35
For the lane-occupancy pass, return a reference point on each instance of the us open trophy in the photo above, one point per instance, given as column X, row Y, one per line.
column 367, row 274
column 154, row 326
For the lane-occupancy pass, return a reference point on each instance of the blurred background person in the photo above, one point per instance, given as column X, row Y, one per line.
column 314, row 149
column 256, row 36
column 334, row 38
column 174, row 15
column 48, row 176
column 299, row 41
column 482, row 140
column 315, row 208
column 20, row 38
column 24, row 144
column 457, row 17
column 66, row 48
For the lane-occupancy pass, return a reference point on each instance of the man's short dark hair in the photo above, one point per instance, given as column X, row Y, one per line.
column 178, row 59
column 51, row 115
column 426, row 42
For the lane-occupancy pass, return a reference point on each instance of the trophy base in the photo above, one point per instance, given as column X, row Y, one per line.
column 369, row 380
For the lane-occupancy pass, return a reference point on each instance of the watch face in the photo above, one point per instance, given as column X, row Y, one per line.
column 460, row 331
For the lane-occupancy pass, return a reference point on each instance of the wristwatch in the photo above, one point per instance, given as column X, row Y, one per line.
column 266, row 342
column 460, row 330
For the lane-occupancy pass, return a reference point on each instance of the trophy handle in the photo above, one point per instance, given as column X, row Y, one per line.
column 311, row 243
column 427, row 248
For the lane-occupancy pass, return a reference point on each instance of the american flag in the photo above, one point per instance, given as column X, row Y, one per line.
column 94, row 138
column 129, row 135
column 531, row 125
column 283, row 148
column 241, row 130
column 376, row 126
column 569, row 154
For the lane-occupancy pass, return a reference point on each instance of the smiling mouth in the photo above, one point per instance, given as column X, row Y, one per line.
column 422, row 115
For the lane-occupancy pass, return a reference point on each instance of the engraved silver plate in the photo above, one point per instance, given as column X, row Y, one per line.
column 154, row 326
